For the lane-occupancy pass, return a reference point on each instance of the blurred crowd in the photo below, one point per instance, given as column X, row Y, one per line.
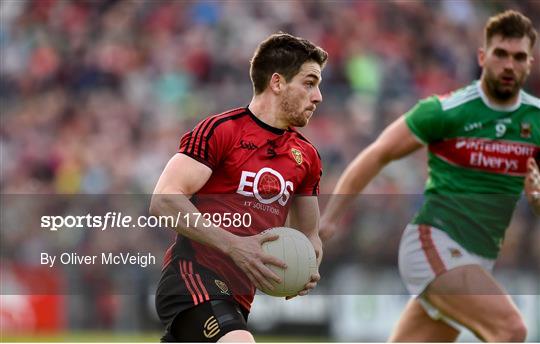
column 95, row 94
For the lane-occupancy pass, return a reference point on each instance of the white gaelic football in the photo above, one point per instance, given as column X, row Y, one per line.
column 295, row 249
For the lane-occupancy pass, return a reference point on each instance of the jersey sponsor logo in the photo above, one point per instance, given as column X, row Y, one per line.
column 248, row 145
column 297, row 155
column 494, row 156
column 266, row 185
column 211, row 327
column 526, row 130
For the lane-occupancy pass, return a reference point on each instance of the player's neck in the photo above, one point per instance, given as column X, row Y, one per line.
column 496, row 101
column 266, row 111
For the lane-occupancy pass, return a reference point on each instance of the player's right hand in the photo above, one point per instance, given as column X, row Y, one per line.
column 247, row 254
column 315, row 278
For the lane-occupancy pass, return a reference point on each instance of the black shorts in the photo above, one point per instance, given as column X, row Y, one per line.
column 195, row 305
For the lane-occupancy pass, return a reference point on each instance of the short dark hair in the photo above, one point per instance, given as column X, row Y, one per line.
column 284, row 54
column 509, row 24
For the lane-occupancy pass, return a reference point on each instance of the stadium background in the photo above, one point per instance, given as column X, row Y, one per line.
column 95, row 95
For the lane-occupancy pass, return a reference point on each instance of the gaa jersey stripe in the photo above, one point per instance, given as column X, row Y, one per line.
column 199, row 284
column 198, row 133
column 201, row 129
column 189, row 268
column 529, row 99
column 186, row 281
column 217, row 123
column 453, row 103
column 204, row 143
column 204, row 127
column 185, row 141
column 433, row 257
column 195, row 145
column 191, row 148
column 460, row 97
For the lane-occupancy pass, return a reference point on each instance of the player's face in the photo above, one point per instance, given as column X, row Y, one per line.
column 301, row 95
column 506, row 64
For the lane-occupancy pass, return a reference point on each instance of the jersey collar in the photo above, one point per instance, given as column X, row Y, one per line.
column 264, row 125
column 496, row 107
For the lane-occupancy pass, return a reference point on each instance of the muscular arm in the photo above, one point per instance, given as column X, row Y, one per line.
column 304, row 216
column 395, row 142
column 183, row 177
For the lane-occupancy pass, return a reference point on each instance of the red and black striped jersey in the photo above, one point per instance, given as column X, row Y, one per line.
column 256, row 170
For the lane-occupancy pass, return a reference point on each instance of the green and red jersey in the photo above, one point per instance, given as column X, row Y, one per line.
column 477, row 156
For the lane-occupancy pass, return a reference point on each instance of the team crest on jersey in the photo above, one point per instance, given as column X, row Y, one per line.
column 297, row 155
column 526, row 130
column 222, row 286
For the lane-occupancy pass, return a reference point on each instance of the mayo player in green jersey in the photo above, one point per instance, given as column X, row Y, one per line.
column 481, row 142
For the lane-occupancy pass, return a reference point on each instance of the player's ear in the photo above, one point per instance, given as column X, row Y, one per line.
column 481, row 56
column 276, row 82
column 530, row 63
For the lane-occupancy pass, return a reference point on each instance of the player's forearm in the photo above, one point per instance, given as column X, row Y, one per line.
column 311, row 230
column 534, row 202
column 172, row 204
column 317, row 245
column 304, row 216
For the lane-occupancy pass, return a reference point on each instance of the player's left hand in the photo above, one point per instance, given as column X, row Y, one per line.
column 532, row 183
column 310, row 285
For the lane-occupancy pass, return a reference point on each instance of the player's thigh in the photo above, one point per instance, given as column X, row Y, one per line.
column 237, row 336
column 471, row 296
column 415, row 325
column 209, row 322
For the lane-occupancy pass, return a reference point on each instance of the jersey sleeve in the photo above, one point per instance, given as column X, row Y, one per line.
column 206, row 143
column 426, row 120
column 310, row 186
